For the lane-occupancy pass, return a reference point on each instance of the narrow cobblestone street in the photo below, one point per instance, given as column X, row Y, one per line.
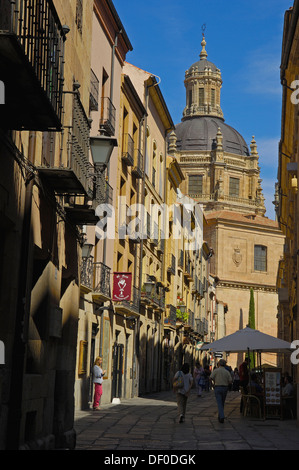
column 151, row 423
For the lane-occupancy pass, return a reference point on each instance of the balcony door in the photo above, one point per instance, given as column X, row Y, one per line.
column 117, row 372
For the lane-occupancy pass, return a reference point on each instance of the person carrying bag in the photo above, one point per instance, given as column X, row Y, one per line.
column 182, row 383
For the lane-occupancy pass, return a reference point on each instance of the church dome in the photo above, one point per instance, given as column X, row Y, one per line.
column 202, row 115
column 202, row 66
column 199, row 133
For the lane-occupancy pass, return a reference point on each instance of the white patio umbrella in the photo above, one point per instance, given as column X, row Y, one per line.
column 248, row 340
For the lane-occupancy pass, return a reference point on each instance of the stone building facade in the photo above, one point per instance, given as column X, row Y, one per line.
column 223, row 175
column 286, row 200
column 44, row 142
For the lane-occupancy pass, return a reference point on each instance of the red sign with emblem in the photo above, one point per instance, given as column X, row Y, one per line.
column 122, row 285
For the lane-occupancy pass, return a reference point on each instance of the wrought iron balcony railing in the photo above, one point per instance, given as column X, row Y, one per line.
column 31, row 64
column 87, row 271
column 171, row 264
column 128, row 150
column 138, row 164
column 107, row 119
column 72, row 174
column 102, row 279
column 130, row 305
column 155, row 298
column 199, row 327
column 103, row 192
column 181, row 259
column 171, row 318
column 161, row 244
column 96, row 277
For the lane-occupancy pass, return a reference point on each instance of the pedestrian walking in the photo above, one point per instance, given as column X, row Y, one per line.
column 236, row 381
column 221, row 379
column 198, row 376
column 182, row 383
column 98, row 374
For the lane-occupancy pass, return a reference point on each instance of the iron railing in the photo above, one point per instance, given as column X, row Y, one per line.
column 172, row 315
column 128, row 150
column 102, row 279
column 37, row 27
column 132, row 304
column 138, row 164
column 107, row 120
column 96, row 276
column 78, row 144
column 181, row 259
column 103, row 192
column 87, row 270
column 171, row 264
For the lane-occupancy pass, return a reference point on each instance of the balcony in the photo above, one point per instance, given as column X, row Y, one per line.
column 188, row 268
column 181, row 259
column 87, row 271
column 154, row 240
column 161, row 244
column 171, row 264
column 137, row 169
column 95, row 278
column 72, row 176
column 170, row 320
column 101, row 285
column 155, row 298
column 129, row 307
column 81, row 210
column 128, row 150
column 107, row 119
column 31, row 65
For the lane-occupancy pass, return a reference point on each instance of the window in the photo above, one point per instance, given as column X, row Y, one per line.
column 201, row 96
column 260, row 258
column 190, row 97
column 195, row 184
column 94, row 92
column 213, row 98
column 79, row 15
column 234, row 187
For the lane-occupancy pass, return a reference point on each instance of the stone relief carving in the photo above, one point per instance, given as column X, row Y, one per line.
column 237, row 256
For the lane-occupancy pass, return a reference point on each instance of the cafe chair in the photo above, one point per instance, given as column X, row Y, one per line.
column 289, row 407
column 251, row 404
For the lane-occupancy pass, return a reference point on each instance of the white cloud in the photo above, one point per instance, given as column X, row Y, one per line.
column 268, row 151
column 261, row 74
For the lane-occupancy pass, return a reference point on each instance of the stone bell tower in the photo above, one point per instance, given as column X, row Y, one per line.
column 203, row 87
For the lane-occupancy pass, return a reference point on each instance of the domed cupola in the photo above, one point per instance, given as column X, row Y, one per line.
column 203, row 85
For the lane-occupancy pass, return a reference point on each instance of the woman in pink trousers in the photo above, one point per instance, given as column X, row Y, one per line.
column 98, row 374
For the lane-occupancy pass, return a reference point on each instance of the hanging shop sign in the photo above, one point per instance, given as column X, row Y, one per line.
column 122, row 286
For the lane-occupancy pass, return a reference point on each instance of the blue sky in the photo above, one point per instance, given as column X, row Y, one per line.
column 243, row 39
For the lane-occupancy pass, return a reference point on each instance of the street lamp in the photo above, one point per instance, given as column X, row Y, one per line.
column 101, row 148
column 86, row 250
column 149, row 287
column 182, row 308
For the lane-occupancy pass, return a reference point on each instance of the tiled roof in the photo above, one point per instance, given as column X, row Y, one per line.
column 251, row 219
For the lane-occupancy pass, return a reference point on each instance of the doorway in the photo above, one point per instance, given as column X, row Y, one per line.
column 117, row 358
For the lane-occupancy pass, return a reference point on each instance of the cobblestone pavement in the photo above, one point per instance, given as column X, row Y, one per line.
column 151, row 423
